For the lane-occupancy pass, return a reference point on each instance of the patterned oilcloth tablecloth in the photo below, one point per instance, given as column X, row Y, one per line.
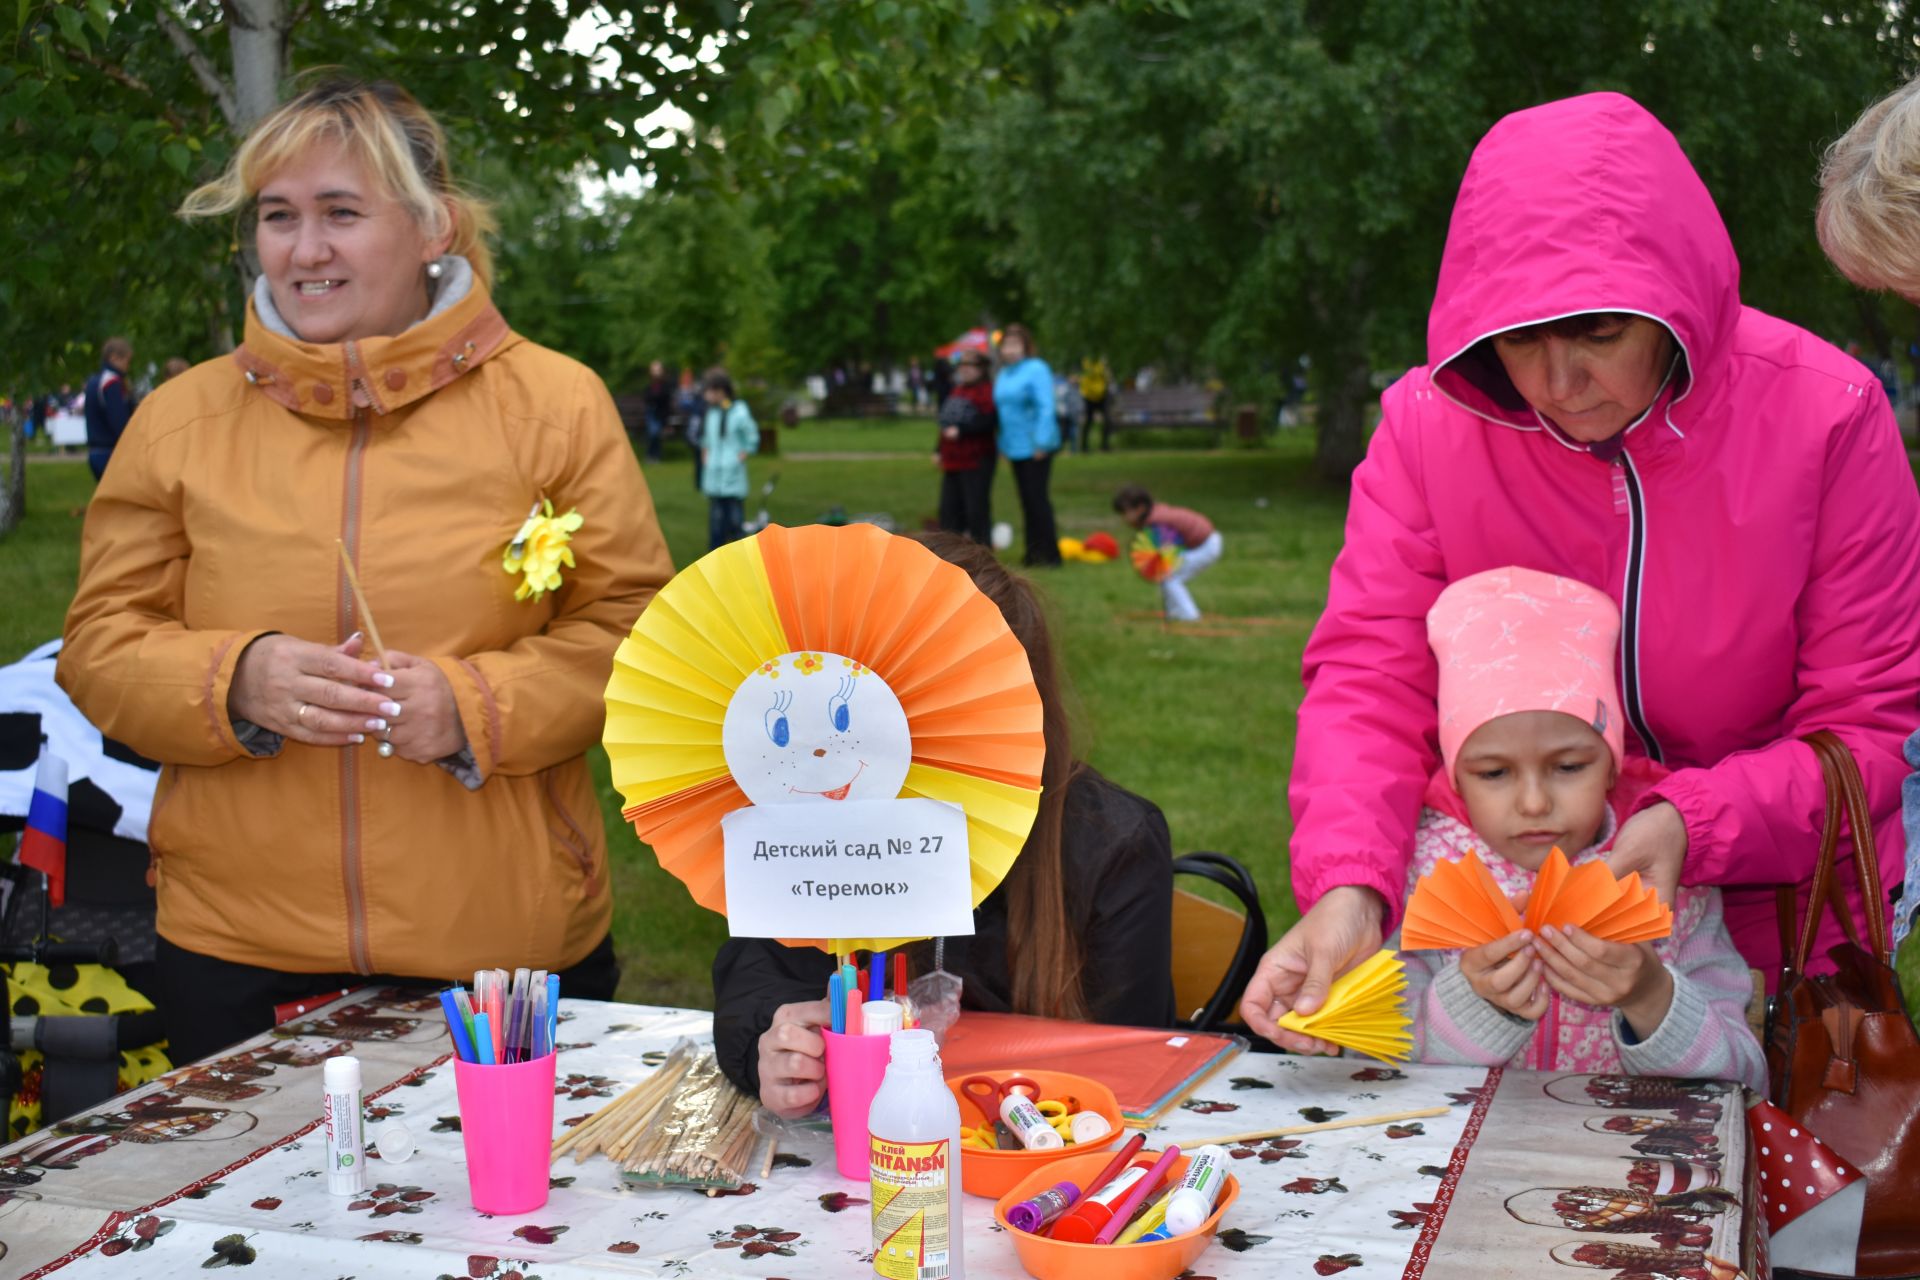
column 218, row 1165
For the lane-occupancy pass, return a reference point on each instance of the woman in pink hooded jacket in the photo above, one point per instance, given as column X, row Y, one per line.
column 1598, row 404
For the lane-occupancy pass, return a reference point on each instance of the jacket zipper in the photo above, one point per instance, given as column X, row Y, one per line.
column 1630, row 611
column 352, row 872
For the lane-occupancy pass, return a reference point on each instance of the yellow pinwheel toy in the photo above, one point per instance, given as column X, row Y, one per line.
column 927, row 692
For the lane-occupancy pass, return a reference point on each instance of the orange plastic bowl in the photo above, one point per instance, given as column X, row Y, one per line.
column 1048, row 1259
column 991, row 1173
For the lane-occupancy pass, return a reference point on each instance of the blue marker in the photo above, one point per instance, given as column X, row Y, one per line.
column 483, row 1039
column 877, row 984
column 457, row 1026
column 553, row 1012
column 837, row 1000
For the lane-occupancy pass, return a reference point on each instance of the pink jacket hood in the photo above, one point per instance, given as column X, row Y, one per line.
column 1582, row 205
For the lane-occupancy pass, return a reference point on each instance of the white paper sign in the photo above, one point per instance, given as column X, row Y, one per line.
column 851, row 869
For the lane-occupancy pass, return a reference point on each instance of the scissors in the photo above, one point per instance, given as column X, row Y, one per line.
column 986, row 1094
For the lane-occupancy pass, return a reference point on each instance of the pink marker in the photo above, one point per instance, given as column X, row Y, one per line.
column 1124, row 1211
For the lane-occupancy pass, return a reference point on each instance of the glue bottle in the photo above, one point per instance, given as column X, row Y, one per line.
column 913, row 1136
column 346, row 1145
column 1192, row 1201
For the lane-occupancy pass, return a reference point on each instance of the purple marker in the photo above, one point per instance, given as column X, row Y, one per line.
column 1033, row 1215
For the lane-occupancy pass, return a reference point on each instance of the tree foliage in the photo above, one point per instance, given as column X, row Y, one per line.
column 1213, row 187
column 1265, row 179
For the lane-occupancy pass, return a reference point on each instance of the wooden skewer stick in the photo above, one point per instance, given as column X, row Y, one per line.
column 360, row 603
column 1345, row 1122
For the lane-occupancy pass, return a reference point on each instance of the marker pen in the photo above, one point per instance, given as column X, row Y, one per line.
column 1155, row 1214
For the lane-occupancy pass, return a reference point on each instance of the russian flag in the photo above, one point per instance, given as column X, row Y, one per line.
column 44, row 845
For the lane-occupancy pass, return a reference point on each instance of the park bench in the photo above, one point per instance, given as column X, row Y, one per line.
column 1175, row 407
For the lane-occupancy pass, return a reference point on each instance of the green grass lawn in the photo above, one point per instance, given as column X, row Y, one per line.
column 1201, row 723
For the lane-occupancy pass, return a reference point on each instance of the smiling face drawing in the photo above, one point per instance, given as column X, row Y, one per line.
column 815, row 726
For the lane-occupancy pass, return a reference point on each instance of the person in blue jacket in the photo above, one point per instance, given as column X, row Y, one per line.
column 727, row 438
column 1029, row 437
column 109, row 403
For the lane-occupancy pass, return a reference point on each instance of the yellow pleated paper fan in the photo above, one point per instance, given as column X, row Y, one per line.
column 1364, row 1011
column 822, row 621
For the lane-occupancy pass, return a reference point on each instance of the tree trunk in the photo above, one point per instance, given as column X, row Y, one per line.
column 1345, row 386
column 258, row 29
column 13, row 503
column 1342, row 375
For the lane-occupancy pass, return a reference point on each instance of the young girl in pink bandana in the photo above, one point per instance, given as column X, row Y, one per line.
column 1531, row 759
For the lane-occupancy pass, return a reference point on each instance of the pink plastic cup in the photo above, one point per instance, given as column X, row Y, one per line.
column 506, row 1120
column 855, row 1065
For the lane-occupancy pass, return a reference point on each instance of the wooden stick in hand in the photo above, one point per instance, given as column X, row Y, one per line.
column 360, row 603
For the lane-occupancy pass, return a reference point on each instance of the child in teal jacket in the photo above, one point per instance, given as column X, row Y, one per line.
column 727, row 437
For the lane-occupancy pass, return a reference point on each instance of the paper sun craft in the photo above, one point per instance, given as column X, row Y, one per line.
column 1459, row 905
column 813, row 665
column 1363, row 1010
column 1156, row 552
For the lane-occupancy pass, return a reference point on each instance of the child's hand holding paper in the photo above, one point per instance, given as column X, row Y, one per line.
column 1507, row 972
column 1616, row 975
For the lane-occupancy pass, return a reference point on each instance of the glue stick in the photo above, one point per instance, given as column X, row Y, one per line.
column 1095, row 1211
column 1020, row 1115
column 1192, row 1201
column 346, row 1148
column 1034, row 1215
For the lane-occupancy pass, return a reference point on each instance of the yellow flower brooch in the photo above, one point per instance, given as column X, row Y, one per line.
column 540, row 548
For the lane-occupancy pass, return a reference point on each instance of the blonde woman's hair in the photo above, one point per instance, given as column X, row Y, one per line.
column 382, row 127
column 1869, row 219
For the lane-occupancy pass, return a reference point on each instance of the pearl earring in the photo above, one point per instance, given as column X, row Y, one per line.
column 435, row 270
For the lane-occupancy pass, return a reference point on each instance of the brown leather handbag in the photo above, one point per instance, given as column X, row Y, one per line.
column 1842, row 1052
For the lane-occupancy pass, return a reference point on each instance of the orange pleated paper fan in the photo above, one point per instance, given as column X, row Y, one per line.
column 1459, row 905
column 874, row 603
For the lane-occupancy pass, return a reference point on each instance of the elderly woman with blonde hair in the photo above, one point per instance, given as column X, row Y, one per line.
column 1869, row 224
column 334, row 808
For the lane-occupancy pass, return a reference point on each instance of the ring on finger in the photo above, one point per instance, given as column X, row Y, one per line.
column 300, row 716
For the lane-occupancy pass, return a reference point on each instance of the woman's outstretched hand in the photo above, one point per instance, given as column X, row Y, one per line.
column 1654, row 843
column 1337, row 933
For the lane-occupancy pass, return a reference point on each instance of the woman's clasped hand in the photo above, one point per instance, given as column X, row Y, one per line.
column 332, row 696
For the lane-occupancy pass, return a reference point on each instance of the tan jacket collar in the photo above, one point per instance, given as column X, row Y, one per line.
column 329, row 380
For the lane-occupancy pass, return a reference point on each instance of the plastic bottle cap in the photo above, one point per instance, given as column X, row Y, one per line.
column 1089, row 1126
column 394, row 1141
column 342, row 1074
column 881, row 1017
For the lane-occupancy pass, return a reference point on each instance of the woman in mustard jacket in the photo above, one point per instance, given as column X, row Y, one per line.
column 331, row 810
